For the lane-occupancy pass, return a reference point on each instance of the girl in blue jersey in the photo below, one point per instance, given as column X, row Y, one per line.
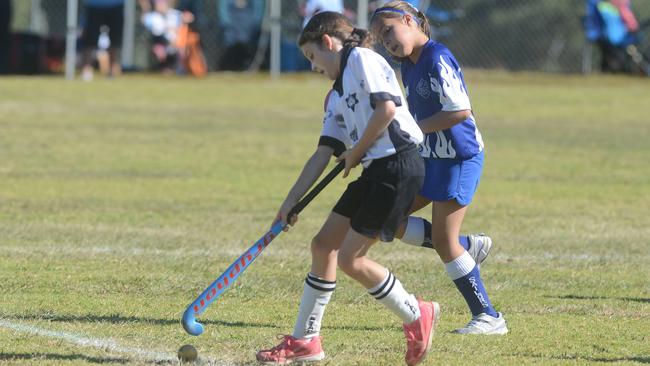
column 453, row 147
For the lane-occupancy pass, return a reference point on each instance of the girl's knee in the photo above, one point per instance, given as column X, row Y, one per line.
column 321, row 247
column 349, row 263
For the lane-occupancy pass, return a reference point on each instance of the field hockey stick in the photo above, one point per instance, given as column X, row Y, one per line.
column 228, row 277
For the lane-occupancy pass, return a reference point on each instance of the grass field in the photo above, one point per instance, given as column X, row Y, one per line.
column 120, row 201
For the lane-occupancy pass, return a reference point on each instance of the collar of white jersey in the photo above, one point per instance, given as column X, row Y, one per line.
column 338, row 83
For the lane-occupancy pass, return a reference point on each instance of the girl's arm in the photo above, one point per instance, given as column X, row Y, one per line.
column 379, row 121
column 313, row 169
column 443, row 120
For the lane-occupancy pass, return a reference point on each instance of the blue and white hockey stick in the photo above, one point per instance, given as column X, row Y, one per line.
column 227, row 278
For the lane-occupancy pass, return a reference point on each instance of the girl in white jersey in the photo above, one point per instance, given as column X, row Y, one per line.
column 367, row 115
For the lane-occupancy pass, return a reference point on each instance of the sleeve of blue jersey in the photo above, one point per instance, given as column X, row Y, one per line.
column 448, row 83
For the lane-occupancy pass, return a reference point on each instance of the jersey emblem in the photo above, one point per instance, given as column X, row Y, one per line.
column 352, row 101
column 388, row 73
column 328, row 115
column 339, row 120
column 423, row 89
column 354, row 136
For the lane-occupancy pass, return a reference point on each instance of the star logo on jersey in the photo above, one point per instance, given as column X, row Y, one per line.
column 328, row 115
column 387, row 74
column 352, row 101
column 354, row 136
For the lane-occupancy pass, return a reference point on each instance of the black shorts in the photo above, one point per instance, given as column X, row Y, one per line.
column 112, row 17
column 380, row 198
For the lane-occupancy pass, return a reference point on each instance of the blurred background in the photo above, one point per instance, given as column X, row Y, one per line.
column 122, row 198
column 559, row 36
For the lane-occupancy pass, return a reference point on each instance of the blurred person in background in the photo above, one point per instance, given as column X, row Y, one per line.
column 612, row 25
column 5, row 27
column 627, row 15
column 240, row 22
column 163, row 23
column 309, row 8
column 192, row 59
column 176, row 43
column 108, row 13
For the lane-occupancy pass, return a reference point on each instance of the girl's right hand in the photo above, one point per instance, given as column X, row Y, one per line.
column 283, row 213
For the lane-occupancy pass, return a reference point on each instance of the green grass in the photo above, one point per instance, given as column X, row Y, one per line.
column 121, row 200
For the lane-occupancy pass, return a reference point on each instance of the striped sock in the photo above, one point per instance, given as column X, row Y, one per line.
column 391, row 293
column 315, row 296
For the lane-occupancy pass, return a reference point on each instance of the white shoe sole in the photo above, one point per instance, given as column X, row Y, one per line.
column 318, row 357
column 500, row 329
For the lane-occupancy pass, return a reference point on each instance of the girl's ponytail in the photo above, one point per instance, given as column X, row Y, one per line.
column 358, row 37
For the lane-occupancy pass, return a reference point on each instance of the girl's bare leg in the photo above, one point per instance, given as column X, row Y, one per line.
column 446, row 220
column 325, row 246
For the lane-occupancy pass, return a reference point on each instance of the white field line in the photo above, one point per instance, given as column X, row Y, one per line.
column 105, row 344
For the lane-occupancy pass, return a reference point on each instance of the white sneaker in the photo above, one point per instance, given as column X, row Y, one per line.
column 479, row 247
column 484, row 324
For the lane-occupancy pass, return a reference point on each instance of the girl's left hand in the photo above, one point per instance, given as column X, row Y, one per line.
column 352, row 159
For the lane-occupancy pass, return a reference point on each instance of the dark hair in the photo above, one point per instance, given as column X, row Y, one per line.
column 334, row 25
column 397, row 9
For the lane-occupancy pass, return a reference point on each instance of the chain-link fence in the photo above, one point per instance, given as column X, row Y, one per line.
column 536, row 35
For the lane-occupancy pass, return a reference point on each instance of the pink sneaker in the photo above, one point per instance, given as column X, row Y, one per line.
column 292, row 349
column 420, row 332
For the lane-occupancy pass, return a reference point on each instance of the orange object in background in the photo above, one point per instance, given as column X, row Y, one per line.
column 191, row 54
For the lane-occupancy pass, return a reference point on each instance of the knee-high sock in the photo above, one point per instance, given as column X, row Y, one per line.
column 465, row 274
column 315, row 296
column 391, row 293
column 418, row 232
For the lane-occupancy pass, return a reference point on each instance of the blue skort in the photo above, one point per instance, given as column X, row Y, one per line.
column 449, row 179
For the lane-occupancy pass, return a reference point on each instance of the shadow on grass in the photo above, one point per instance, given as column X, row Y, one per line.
column 74, row 357
column 579, row 297
column 120, row 319
column 56, row 356
column 637, row 359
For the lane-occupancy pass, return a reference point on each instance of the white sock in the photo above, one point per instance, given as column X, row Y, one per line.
column 460, row 266
column 414, row 231
column 315, row 296
column 391, row 293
